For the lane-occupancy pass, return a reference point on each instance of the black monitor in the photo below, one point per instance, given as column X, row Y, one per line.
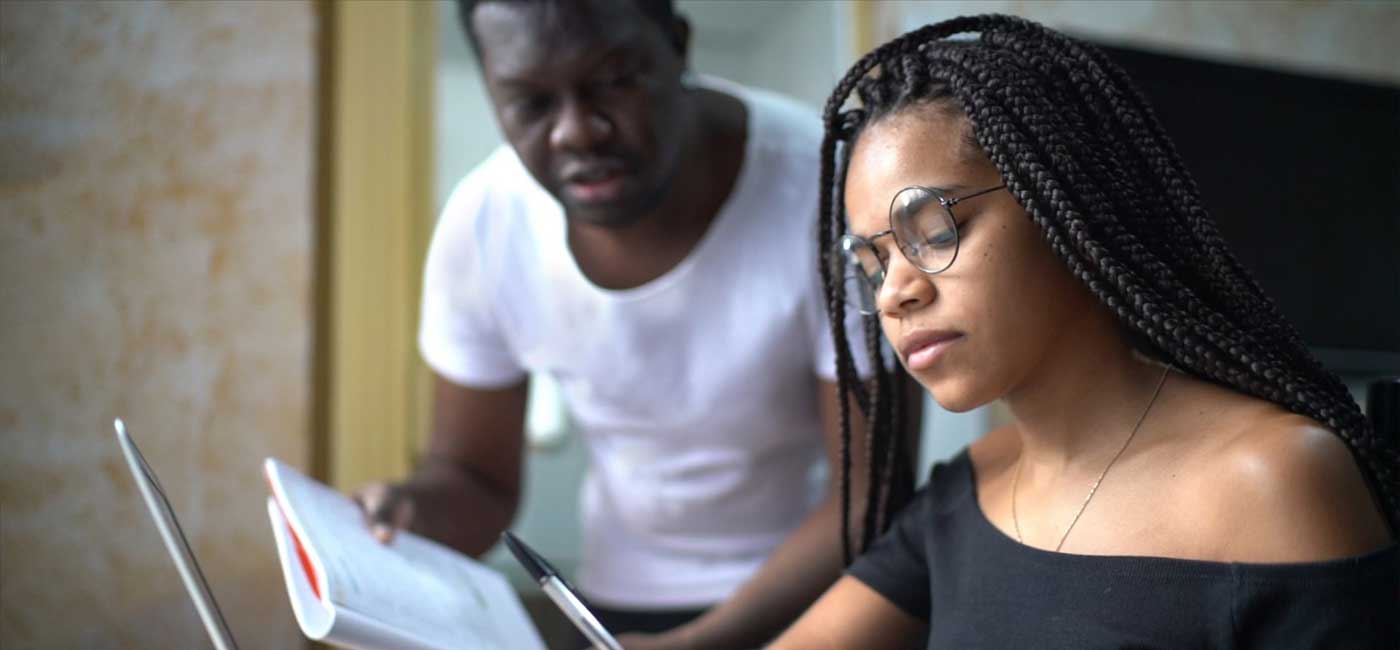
column 1302, row 173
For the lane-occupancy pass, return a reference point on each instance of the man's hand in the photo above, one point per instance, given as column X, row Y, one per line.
column 388, row 507
column 466, row 484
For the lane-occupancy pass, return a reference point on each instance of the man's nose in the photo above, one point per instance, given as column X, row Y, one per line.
column 579, row 127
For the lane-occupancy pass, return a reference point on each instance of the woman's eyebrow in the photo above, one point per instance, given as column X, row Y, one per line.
column 870, row 238
column 948, row 189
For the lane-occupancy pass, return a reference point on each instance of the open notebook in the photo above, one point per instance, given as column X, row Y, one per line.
column 346, row 589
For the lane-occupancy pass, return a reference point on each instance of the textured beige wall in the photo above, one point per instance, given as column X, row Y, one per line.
column 156, row 255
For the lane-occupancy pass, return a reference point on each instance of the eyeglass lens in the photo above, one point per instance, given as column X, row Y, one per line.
column 925, row 233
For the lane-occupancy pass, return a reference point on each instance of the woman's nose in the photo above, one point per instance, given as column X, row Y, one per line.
column 906, row 288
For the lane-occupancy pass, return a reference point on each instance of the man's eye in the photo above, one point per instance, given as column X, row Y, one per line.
column 530, row 105
column 626, row 80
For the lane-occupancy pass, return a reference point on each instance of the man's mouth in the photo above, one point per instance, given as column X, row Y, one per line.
column 596, row 186
column 598, row 181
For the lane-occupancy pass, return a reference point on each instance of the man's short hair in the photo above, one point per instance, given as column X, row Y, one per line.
column 661, row 12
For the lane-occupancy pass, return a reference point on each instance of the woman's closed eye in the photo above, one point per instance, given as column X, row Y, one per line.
column 944, row 238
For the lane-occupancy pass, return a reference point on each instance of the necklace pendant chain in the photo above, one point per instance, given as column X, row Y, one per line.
column 1016, row 480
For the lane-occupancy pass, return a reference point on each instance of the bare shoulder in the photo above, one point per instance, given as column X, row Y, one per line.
column 1287, row 489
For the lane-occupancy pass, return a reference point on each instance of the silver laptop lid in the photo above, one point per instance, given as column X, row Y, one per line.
column 175, row 542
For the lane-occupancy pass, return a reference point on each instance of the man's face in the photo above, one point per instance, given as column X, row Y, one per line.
column 588, row 93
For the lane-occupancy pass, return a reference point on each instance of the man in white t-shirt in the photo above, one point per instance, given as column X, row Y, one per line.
column 648, row 240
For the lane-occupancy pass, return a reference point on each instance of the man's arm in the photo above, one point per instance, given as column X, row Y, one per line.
column 798, row 571
column 467, row 487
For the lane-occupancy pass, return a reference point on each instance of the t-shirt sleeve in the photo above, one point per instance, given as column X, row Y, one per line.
column 460, row 334
column 1352, row 603
column 896, row 565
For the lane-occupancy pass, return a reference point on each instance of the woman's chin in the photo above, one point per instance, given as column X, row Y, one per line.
column 954, row 396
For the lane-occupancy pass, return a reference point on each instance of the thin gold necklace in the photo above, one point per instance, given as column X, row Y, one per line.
column 1016, row 481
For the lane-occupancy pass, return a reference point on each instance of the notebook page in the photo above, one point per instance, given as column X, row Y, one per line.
column 412, row 584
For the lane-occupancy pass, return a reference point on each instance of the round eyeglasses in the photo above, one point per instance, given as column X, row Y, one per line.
column 922, row 223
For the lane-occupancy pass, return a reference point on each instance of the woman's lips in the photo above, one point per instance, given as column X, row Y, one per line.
column 922, row 350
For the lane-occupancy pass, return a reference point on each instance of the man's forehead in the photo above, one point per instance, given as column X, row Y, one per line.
column 524, row 35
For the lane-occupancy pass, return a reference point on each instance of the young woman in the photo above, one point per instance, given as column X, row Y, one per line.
column 1178, row 472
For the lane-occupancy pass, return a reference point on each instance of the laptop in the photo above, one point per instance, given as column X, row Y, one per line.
column 175, row 542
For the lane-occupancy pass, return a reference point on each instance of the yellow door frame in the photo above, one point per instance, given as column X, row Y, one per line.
column 375, row 217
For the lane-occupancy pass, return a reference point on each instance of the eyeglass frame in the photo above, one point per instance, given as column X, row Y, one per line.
column 943, row 202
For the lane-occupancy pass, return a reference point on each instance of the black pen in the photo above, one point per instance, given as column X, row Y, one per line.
column 558, row 591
